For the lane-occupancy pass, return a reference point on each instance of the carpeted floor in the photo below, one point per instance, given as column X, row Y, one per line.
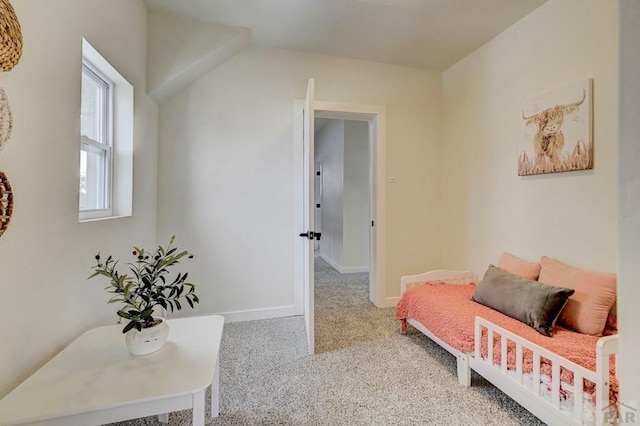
column 363, row 373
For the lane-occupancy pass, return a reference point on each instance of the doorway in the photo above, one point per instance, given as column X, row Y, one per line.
column 342, row 193
column 374, row 116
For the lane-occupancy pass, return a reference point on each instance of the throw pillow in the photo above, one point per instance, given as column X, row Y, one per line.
column 531, row 302
column 519, row 267
column 595, row 293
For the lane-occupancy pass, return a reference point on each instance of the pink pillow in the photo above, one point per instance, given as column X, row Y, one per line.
column 587, row 310
column 519, row 267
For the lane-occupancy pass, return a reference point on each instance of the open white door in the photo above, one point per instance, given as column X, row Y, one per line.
column 308, row 223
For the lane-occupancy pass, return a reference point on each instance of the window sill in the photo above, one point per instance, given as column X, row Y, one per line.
column 98, row 219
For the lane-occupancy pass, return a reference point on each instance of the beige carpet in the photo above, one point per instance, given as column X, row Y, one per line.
column 364, row 371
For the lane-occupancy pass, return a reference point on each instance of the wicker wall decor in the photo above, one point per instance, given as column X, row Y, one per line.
column 11, row 40
column 6, row 119
column 6, row 203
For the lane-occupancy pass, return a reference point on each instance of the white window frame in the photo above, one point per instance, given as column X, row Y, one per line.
column 119, row 137
column 106, row 136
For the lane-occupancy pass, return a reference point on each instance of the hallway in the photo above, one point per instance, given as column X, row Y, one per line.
column 344, row 315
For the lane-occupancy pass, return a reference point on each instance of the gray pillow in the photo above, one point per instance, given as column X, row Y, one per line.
column 531, row 302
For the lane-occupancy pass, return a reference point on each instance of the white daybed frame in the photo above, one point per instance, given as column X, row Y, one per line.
column 512, row 385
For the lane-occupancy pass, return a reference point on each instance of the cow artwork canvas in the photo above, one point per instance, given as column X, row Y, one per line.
column 557, row 132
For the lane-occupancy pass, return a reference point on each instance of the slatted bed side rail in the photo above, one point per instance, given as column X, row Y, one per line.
column 606, row 345
column 450, row 277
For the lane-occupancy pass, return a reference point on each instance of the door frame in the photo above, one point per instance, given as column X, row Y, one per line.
column 318, row 211
column 375, row 115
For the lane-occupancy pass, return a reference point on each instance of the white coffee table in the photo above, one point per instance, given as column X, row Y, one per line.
column 95, row 380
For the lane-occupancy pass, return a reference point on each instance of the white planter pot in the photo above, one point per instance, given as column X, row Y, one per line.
column 148, row 340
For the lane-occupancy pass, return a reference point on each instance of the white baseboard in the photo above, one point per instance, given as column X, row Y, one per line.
column 258, row 314
column 333, row 264
column 391, row 301
column 344, row 269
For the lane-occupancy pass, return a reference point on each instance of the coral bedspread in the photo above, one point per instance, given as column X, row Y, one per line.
column 449, row 313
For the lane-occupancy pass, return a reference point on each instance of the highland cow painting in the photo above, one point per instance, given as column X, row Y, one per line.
column 557, row 135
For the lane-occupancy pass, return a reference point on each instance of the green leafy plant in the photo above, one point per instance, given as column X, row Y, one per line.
column 149, row 286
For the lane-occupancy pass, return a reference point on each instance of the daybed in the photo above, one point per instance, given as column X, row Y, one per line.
column 566, row 379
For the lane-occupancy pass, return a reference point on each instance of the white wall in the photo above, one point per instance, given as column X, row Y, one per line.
column 356, row 197
column 487, row 208
column 629, row 200
column 46, row 254
column 181, row 50
column 329, row 150
column 226, row 169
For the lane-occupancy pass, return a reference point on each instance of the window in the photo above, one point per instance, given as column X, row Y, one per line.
column 106, row 139
column 96, row 128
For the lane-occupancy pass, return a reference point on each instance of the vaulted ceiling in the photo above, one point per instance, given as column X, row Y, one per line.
column 430, row 34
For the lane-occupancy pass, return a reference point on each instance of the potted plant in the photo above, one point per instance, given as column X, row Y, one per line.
column 148, row 288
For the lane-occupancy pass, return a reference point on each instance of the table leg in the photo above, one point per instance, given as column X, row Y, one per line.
column 198, row 408
column 163, row 418
column 215, row 391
